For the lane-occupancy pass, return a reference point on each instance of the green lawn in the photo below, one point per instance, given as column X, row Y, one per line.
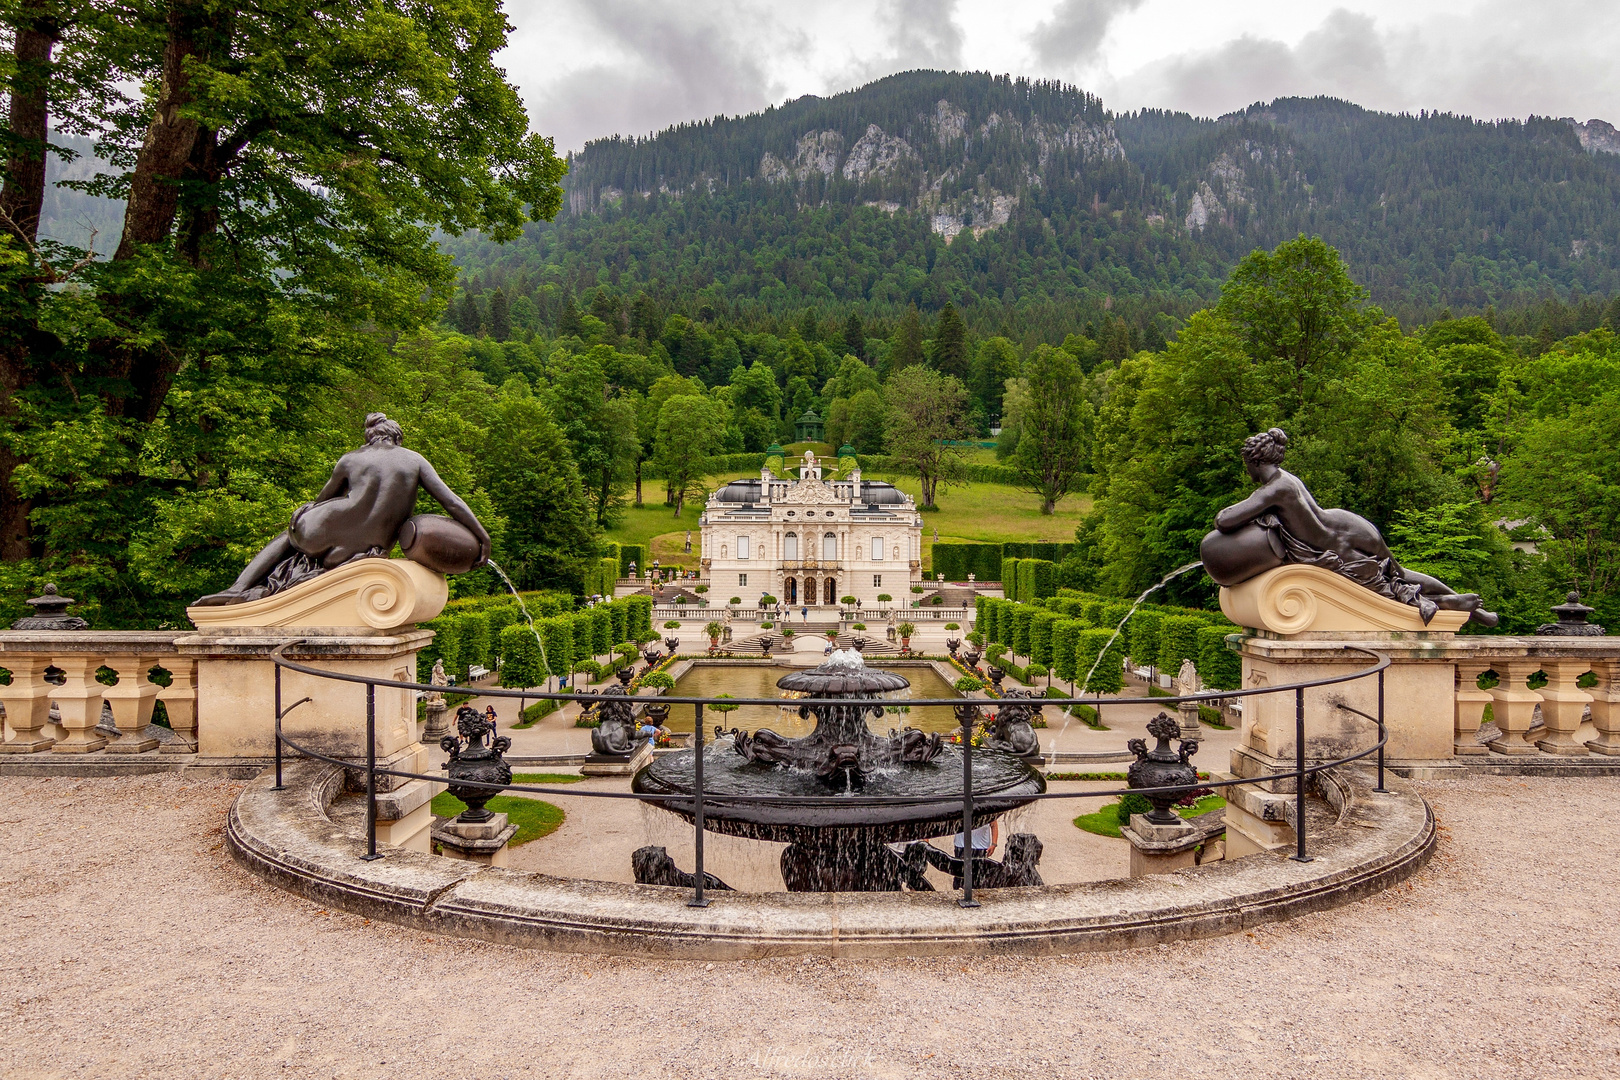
column 533, row 818
column 1105, row 822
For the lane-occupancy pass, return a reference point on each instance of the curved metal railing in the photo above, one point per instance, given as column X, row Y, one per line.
column 696, row 800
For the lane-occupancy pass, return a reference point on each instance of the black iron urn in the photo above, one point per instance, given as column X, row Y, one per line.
column 475, row 754
column 1162, row 767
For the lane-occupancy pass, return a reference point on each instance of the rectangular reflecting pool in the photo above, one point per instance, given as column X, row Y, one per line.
column 746, row 681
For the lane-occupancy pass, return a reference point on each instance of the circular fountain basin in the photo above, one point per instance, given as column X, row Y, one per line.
column 1001, row 782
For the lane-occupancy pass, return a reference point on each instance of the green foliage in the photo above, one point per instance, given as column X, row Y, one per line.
column 533, row 818
column 967, row 684
column 1009, row 578
column 1040, row 636
column 632, row 553
column 557, row 635
column 1145, row 626
column 1065, row 640
column 659, row 680
column 1108, row 676
column 521, row 667
column 1019, row 640
column 1219, row 667
column 957, row 560
column 1178, row 641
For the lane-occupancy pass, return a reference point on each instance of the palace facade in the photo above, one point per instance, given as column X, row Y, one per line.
column 809, row 542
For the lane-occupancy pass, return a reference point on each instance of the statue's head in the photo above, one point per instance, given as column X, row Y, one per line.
column 381, row 431
column 1266, row 448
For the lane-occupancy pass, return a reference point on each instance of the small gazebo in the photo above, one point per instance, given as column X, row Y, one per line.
column 809, row 427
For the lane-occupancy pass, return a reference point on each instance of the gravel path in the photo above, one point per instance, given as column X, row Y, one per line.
column 134, row 947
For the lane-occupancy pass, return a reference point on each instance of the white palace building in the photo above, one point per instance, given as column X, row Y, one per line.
column 810, row 542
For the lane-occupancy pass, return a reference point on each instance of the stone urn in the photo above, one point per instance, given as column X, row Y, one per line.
column 476, row 754
column 952, row 644
column 1162, row 767
column 971, row 658
column 996, row 675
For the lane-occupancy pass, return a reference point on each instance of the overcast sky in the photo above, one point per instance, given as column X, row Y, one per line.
column 595, row 67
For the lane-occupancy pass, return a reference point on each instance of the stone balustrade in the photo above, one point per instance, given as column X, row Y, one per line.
column 58, row 668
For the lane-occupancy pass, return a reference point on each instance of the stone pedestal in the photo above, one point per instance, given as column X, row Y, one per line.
column 1420, row 705
column 1606, row 707
column 1563, row 706
column 1161, row 849
column 437, row 724
column 404, row 815
column 616, row 764
column 481, row 842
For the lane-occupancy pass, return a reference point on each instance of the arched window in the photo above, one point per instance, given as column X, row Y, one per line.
column 829, row 547
column 790, row 546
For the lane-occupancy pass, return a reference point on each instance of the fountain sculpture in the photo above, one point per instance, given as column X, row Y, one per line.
column 834, row 844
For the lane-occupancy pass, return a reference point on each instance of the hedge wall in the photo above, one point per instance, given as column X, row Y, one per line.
column 632, row 553
column 521, row 667
column 1022, row 614
column 1040, row 636
column 1009, row 578
column 1218, row 666
column 1145, row 627
column 1178, row 641
column 956, row 561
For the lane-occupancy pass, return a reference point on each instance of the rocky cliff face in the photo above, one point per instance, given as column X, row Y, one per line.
column 1597, row 136
column 944, row 160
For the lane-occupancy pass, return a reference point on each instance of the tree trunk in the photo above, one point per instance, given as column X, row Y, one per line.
column 638, row 483
column 21, row 199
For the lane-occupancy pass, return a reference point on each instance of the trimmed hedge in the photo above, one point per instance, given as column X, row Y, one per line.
column 1108, row 676
column 1218, row 666
column 521, row 668
column 1145, row 628
column 1040, row 636
column 1009, row 578
column 1022, row 614
column 632, row 553
column 956, row 561
column 1065, row 637
column 1178, row 641
column 1037, row 578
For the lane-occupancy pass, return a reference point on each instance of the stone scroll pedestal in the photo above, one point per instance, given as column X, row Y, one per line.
column 481, row 842
column 355, row 620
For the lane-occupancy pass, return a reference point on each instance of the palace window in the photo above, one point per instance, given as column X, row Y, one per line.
column 742, row 547
column 742, row 581
column 877, row 581
column 790, row 546
column 829, row 546
column 877, row 548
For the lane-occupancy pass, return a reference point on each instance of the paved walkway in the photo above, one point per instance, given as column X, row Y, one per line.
column 134, row 947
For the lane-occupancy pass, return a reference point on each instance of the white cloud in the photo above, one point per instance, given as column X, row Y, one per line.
column 1072, row 38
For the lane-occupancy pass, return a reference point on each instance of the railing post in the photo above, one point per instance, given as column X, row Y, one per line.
column 1299, row 776
column 698, row 899
column 967, row 900
column 278, row 729
column 1381, row 736
column 371, row 773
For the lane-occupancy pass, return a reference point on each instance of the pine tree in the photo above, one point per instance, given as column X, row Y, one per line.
column 906, row 349
column 500, row 316
column 568, row 318
column 950, row 344
column 467, row 318
column 855, row 336
column 809, row 328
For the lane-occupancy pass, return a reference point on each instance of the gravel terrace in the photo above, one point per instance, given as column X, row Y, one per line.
column 135, row 947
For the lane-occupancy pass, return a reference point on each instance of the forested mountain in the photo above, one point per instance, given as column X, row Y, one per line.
column 1035, row 210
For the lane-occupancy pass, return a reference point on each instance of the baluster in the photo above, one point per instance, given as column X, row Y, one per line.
column 1606, row 706
column 28, row 705
column 78, row 701
column 1471, row 702
column 180, row 702
column 1513, row 704
column 132, row 699
column 1562, row 707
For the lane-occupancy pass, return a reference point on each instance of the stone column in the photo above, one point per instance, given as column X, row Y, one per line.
column 28, row 705
column 132, row 699
column 78, row 701
column 180, row 702
column 1513, row 705
column 1606, row 707
column 1563, row 705
column 1471, row 702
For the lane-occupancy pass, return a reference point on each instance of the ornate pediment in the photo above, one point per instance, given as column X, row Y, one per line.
column 812, row 493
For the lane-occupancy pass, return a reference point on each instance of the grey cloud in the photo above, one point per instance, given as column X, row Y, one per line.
column 1073, row 35
column 918, row 34
column 1501, row 59
column 683, row 62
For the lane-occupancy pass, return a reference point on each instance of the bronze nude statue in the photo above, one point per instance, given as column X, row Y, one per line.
column 1281, row 523
column 363, row 509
